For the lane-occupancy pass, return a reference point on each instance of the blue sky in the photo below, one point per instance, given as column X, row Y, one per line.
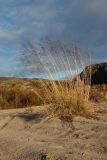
column 83, row 22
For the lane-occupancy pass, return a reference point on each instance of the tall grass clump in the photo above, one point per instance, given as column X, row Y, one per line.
column 67, row 93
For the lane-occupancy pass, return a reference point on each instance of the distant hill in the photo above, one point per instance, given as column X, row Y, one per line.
column 98, row 73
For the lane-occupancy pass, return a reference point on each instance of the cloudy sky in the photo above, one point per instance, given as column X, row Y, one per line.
column 83, row 22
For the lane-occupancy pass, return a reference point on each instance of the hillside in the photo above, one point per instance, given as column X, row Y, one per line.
column 98, row 73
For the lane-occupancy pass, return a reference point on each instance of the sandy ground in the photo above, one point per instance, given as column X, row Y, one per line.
column 23, row 135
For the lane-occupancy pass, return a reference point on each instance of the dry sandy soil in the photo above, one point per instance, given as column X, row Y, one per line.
column 23, row 135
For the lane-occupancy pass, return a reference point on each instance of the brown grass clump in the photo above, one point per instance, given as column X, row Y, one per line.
column 70, row 101
column 66, row 97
